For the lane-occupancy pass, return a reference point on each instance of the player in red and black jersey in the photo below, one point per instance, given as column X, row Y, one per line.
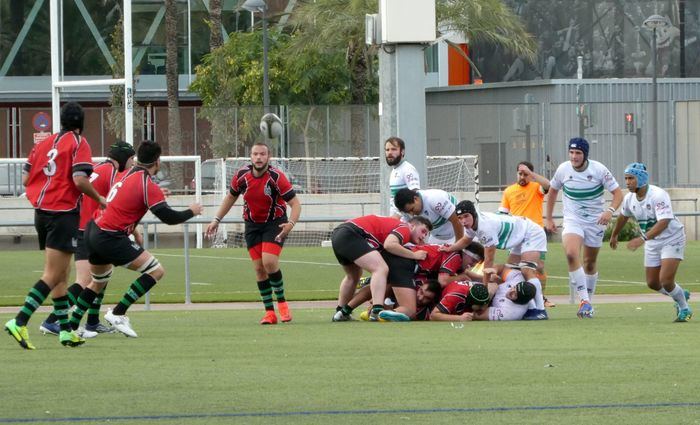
column 358, row 245
column 119, row 158
column 266, row 192
column 459, row 300
column 107, row 237
column 57, row 172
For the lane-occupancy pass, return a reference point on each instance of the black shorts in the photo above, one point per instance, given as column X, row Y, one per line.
column 257, row 233
column 401, row 270
column 81, row 252
column 57, row 230
column 110, row 247
column 349, row 244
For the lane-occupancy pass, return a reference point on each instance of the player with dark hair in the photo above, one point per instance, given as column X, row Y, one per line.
column 266, row 192
column 119, row 158
column 57, row 172
column 403, row 174
column 583, row 182
column 511, row 299
column 662, row 235
column 437, row 206
column 459, row 301
column 358, row 245
column 107, row 237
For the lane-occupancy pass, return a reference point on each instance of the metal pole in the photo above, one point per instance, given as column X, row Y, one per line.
column 266, row 77
column 128, row 77
column 654, row 110
column 188, row 289
column 147, row 298
column 55, row 54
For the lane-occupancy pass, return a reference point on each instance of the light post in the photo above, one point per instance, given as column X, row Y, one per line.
column 260, row 6
column 652, row 23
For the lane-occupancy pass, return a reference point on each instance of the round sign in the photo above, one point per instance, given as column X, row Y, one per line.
column 41, row 121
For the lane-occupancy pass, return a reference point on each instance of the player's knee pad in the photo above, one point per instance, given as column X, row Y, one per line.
column 532, row 265
column 149, row 266
column 102, row 277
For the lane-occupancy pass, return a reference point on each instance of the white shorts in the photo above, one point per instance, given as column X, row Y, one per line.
column 654, row 254
column 507, row 311
column 535, row 240
column 592, row 233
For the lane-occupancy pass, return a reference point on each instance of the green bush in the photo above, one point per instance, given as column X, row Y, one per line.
column 629, row 231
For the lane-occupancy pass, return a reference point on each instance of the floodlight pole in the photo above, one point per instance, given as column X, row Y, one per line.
column 653, row 23
column 261, row 6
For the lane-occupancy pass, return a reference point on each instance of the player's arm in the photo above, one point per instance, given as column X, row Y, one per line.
column 81, row 180
column 481, row 315
column 457, row 227
column 170, row 216
column 489, row 256
column 287, row 227
column 606, row 216
column 619, row 224
column 541, row 180
column 657, row 229
column 224, row 208
column 551, row 201
column 393, row 245
column 439, row 316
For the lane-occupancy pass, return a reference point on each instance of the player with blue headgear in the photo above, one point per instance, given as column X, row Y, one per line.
column 661, row 233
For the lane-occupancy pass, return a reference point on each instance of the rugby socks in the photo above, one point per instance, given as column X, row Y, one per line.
column 591, row 281
column 678, row 296
column 137, row 289
column 539, row 297
column 34, row 299
column 277, row 285
column 266, row 294
column 346, row 309
column 73, row 293
column 60, row 311
column 663, row 291
column 81, row 306
column 94, row 311
column 577, row 280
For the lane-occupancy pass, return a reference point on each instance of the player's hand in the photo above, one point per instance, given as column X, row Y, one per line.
column 466, row 317
column 522, row 168
column 635, row 243
column 613, row 242
column 103, row 202
column 550, row 225
column 419, row 255
column 446, row 248
column 196, row 208
column 286, row 228
column 605, row 218
column 212, row 228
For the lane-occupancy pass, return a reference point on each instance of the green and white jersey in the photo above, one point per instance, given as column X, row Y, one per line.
column 583, row 190
column 438, row 206
column 500, row 230
column 655, row 206
column 402, row 176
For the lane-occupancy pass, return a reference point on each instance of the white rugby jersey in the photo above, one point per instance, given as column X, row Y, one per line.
column 438, row 206
column 655, row 206
column 583, row 190
column 500, row 230
column 402, row 176
column 501, row 307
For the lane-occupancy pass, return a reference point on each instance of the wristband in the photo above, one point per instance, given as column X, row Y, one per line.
column 643, row 236
column 611, row 209
column 217, row 219
column 292, row 222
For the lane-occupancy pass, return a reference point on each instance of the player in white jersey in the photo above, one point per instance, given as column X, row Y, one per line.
column 510, row 302
column 522, row 236
column 403, row 174
column 437, row 206
column 662, row 235
column 583, row 182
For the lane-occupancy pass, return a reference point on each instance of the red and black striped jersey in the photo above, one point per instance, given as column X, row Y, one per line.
column 454, row 298
column 437, row 261
column 264, row 198
column 376, row 228
column 102, row 178
column 51, row 165
column 128, row 201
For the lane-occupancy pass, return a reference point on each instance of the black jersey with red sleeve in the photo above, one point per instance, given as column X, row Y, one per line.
column 376, row 228
column 102, row 178
column 437, row 261
column 128, row 201
column 51, row 165
column 265, row 197
column 454, row 298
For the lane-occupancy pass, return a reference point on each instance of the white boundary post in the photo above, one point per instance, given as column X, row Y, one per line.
column 198, row 186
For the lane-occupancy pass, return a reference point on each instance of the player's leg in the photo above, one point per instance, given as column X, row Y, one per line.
column 528, row 267
column 98, row 276
column 374, row 263
column 271, row 251
column 572, row 242
column 400, row 278
column 590, row 268
column 346, row 299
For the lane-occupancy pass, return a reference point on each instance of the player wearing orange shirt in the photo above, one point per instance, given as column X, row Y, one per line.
column 525, row 198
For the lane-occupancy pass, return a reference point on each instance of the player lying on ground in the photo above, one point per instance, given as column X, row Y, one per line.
column 510, row 302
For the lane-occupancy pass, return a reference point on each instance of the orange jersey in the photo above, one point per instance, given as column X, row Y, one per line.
column 523, row 201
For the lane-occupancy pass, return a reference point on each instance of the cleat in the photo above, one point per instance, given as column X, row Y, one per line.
column 340, row 317
column 684, row 315
column 364, row 316
column 392, row 316
column 548, row 304
column 100, row 329
column 363, row 282
column 84, row 333
column 374, row 316
column 270, row 318
column 585, row 310
column 70, row 339
column 534, row 314
column 120, row 323
column 686, row 294
column 285, row 314
column 52, row 328
column 20, row 334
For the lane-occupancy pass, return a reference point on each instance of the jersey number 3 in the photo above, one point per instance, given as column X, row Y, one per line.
column 50, row 167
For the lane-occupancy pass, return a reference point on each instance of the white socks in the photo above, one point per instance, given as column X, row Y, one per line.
column 678, row 296
column 591, row 280
column 577, row 280
column 539, row 297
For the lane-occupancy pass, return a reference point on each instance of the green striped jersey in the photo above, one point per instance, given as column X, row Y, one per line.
column 402, row 176
column 655, row 206
column 583, row 190
column 438, row 206
column 500, row 230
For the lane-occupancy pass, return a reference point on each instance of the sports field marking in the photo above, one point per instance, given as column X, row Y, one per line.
column 353, row 412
